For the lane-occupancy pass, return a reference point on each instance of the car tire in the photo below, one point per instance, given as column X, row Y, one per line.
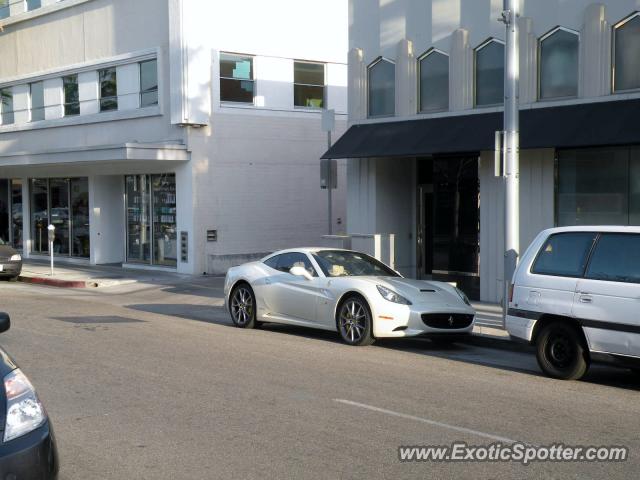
column 242, row 306
column 561, row 352
column 355, row 322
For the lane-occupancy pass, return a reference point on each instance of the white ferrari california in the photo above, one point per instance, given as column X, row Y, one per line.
column 351, row 292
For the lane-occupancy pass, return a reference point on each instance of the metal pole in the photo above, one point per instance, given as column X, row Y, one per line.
column 512, row 162
column 51, row 250
column 330, row 185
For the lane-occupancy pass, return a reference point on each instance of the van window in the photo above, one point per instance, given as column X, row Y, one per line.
column 564, row 254
column 616, row 258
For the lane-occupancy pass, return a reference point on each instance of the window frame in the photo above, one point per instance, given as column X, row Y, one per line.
column 26, row 6
column 539, row 62
column 615, row 27
column 422, row 57
column 475, row 73
column 324, row 85
column 149, row 90
column 594, row 242
column 252, row 80
column 369, row 68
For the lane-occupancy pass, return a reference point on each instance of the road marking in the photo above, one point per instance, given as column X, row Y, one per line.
column 426, row 420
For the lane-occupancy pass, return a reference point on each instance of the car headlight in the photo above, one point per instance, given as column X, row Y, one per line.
column 15, row 258
column 392, row 296
column 462, row 295
column 25, row 413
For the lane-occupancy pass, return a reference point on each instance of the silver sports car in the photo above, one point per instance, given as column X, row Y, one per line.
column 351, row 292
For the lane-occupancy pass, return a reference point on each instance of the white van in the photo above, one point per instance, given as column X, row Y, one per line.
column 576, row 296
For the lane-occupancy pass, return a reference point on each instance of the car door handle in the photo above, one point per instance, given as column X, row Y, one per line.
column 585, row 299
column 267, row 280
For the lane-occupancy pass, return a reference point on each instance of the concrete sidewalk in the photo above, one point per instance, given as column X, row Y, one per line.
column 69, row 275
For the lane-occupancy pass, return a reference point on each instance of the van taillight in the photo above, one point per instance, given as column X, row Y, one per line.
column 511, row 293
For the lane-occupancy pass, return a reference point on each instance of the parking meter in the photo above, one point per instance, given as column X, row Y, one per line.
column 51, row 231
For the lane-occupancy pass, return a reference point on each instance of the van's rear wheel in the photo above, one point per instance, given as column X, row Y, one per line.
column 561, row 352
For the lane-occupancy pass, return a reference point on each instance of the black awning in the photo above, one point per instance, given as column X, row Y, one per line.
column 581, row 125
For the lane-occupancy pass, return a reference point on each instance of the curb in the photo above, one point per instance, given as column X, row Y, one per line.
column 53, row 282
column 499, row 343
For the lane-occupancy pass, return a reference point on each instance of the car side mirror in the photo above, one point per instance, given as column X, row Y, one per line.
column 300, row 272
column 5, row 322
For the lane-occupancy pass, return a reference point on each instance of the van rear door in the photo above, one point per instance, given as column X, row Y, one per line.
column 607, row 300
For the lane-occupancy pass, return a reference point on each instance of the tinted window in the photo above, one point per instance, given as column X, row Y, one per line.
column 37, row 101
column 341, row 263
column 272, row 262
column 236, row 78
column 287, row 261
column 616, row 258
column 627, row 60
column 564, row 254
column 71, row 98
column 382, row 91
column 308, row 84
column 108, row 89
column 434, row 82
column 490, row 74
column 559, row 65
column 149, row 83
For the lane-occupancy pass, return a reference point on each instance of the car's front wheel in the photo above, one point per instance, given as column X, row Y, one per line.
column 561, row 352
column 355, row 321
column 242, row 306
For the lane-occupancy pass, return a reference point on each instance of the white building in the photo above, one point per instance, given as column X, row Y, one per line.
column 425, row 100
column 181, row 134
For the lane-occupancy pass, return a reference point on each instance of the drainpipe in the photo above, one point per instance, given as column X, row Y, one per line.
column 510, row 16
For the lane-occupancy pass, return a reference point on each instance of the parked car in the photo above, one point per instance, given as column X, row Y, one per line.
column 576, row 296
column 345, row 291
column 28, row 446
column 10, row 261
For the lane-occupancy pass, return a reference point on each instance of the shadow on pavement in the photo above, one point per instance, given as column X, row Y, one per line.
column 459, row 351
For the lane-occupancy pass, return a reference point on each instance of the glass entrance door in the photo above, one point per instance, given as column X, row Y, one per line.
column 79, row 200
column 59, row 214
column 16, row 213
column 39, row 215
column 151, row 219
column 138, row 218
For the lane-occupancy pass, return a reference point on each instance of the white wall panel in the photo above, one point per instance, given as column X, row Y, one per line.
column 88, row 92
column 53, row 99
column 128, row 80
column 21, row 103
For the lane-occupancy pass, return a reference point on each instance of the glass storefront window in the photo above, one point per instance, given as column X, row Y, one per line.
column 4, row 211
column 64, row 203
column 79, row 199
column 593, row 187
column 151, row 219
column 16, row 213
column 164, row 220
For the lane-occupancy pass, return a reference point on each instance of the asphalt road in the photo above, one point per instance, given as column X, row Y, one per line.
column 153, row 382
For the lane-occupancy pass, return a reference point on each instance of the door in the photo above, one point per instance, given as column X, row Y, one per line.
column 59, row 214
column 291, row 298
column 425, row 231
column 138, row 218
column 39, row 215
column 551, row 284
column 608, row 298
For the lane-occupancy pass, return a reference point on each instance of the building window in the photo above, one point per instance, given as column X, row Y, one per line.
column 32, row 4
column 382, row 88
column 236, row 78
column 4, row 9
column 308, row 84
column 434, row 81
column 489, row 73
column 559, row 64
column 626, row 66
column 598, row 186
column 6, row 104
column 37, row 101
column 71, row 99
column 149, row 83
column 108, row 89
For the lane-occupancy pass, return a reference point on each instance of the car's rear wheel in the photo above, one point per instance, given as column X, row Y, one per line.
column 242, row 306
column 355, row 321
column 561, row 352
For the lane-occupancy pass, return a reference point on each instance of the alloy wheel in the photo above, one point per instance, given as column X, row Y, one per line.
column 353, row 318
column 242, row 306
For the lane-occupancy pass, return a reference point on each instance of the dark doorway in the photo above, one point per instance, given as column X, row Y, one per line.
column 448, row 221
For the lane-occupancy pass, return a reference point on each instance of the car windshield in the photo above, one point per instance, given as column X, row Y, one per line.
column 341, row 263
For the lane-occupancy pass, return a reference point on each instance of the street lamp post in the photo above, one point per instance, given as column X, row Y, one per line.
column 510, row 16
